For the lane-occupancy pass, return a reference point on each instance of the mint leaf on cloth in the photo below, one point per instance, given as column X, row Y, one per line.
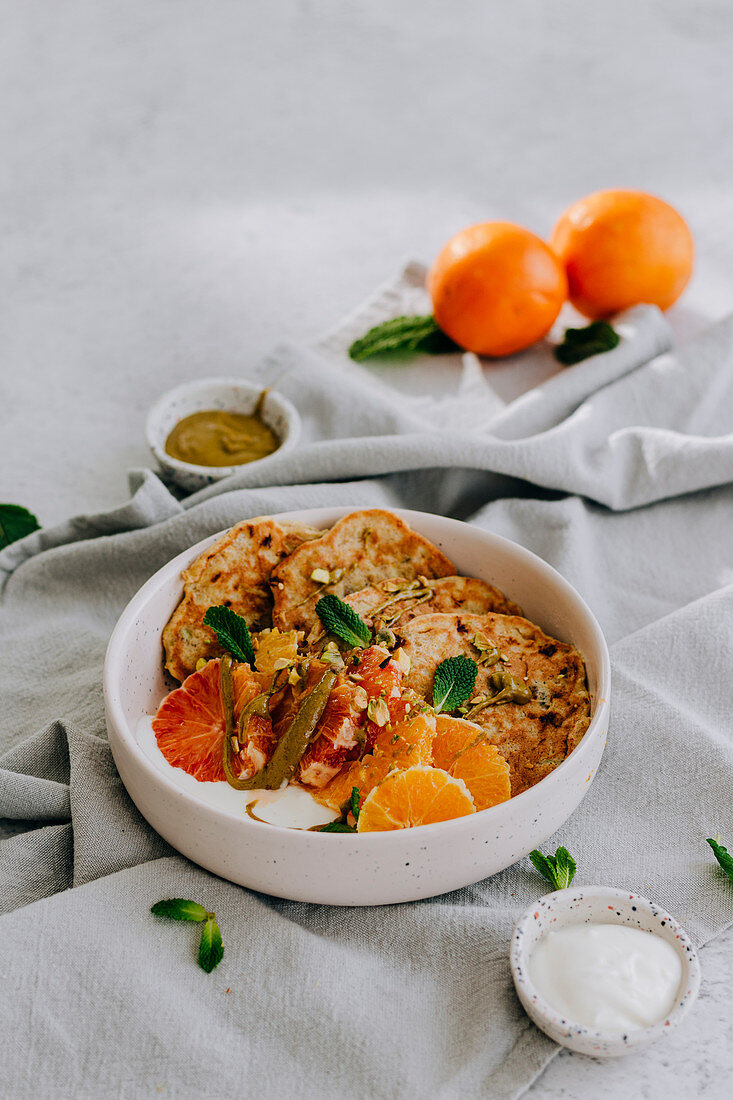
column 558, row 869
column 402, row 334
column 15, row 523
column 454, row 681
column 723, row 856
column 211, row 949
column 179, row 909
column 581, row 343
column 232, row 633
column 340, row 619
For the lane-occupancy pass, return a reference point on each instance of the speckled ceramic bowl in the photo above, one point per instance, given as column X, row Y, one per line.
column 369, row 868
column 227, row 395
column 602, row 905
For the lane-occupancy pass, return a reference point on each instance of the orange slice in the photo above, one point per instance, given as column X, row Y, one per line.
column 189, row 725
column 415, row 796
column 461, row 749
column 397, row 748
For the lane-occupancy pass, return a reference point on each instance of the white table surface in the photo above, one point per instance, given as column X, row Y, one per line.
column 184, row 184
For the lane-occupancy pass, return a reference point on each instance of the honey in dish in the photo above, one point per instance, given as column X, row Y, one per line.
column 214, row 437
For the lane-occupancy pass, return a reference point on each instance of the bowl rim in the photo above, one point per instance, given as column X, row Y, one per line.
column 184, row 388
column 330, row 515
column 520, row 954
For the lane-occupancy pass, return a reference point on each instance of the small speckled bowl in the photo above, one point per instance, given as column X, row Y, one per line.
column 601, row 905
column 227, row 395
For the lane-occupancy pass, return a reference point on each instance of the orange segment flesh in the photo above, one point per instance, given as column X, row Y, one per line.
column 189, row 725
column 402, row 746
column 416, row 796
column 461, row 749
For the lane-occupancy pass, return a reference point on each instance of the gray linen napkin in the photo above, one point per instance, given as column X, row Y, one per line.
column 404, row 1000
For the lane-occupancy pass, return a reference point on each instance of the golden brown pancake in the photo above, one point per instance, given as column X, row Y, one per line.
column 235, row 571
column 361, row 549
column 535, row 736
column 396, row 601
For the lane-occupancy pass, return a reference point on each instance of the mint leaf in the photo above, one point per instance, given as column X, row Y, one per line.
column 232, row 633
column 581, row 343
column 341, row 620
column 454, row 682
column 179, row 909
column 558, row 869
column 15, row 523
column 419, row 333
column 211, row 949
column 354, row 803
column 336, row 827
column 723, row 856
column 565, row 868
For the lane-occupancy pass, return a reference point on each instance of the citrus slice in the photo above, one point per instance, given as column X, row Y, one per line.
column 397, row 748
column 461, row 749
column 415, row 796
column 189, row 725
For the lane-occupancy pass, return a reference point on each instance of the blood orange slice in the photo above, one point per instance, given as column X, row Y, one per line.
column 189, row 725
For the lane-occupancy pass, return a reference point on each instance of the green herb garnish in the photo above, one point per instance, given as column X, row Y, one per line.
column 211, row 949
column 558, row 869
column 15, row 523
column 455, row 678
column 723, row 856
column 403, row 334
column 580, row 343
column 232, row 633
column 341, row 620
column 341, row 825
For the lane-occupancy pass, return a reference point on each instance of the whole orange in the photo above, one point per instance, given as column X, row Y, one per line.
column 621, row 248
column 496, row 288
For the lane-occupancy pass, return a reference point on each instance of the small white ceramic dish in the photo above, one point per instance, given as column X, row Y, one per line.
column 369, row 868
column 227, row 395
column 604, row 905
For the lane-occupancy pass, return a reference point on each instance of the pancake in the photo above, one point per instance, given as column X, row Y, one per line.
column 235, row 571
column 361, row 549
column 534, row 737
column 396, row 602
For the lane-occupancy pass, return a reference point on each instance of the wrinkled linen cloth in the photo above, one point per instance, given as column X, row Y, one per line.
column 618, row 472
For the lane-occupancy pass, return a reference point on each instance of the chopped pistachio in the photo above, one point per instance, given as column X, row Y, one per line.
column 336, row 575
column 378, row 711
column 395, row 737
column 281, row 663
column 293, row 676
column 332, row 655
column 402, row 660
column 235, row 744
column 383, row 636
column 201, row 663
column 361, row 699
column 321, row 576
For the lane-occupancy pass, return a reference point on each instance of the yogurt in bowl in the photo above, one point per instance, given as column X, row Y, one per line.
column 603, row 971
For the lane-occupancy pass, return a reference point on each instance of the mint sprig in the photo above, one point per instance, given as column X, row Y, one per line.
column 454, row 681
column 232, row 632
column 581, row 343
column 211, row 948
column 723, row 856
column 340, row 619
column 558, row 869
column 15, row 523
column 403, row 334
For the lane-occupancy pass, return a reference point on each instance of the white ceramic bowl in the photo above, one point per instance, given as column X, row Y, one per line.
column 227, row 395
column 601, row 904
column 371, row 868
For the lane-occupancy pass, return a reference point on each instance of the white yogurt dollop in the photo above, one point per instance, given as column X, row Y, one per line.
column 292, row 807
column 607, row 976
